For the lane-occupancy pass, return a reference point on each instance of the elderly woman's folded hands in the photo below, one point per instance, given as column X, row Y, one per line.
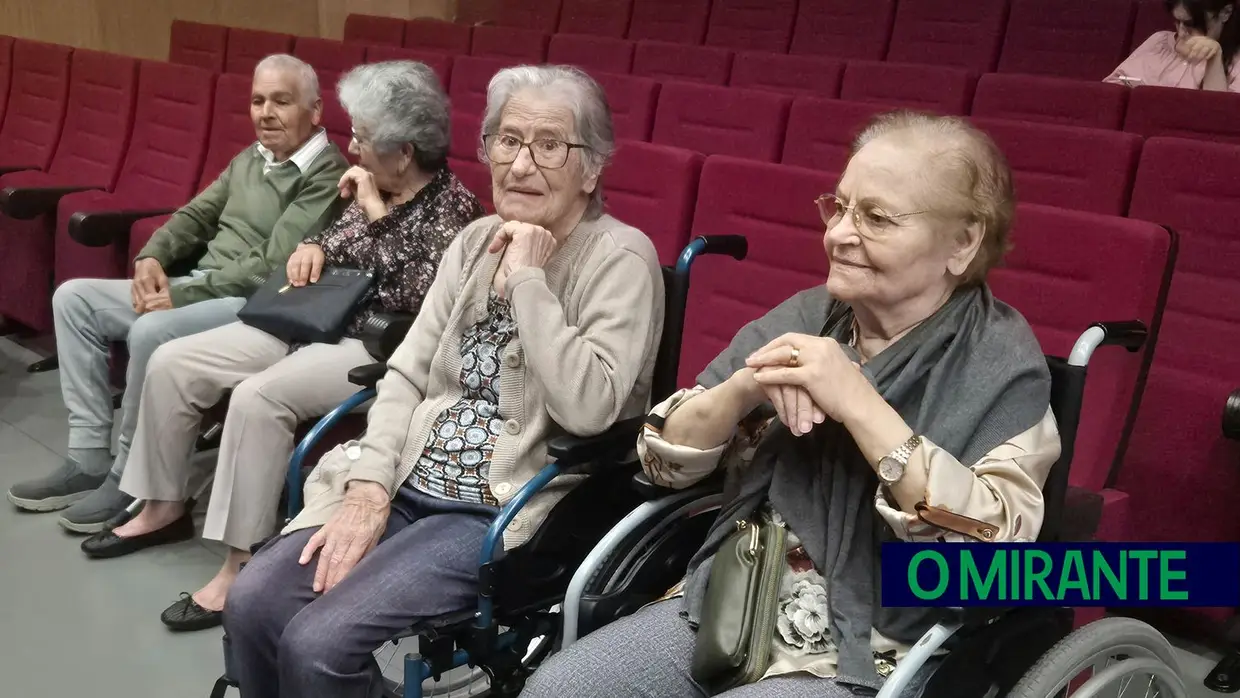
column 807, row 379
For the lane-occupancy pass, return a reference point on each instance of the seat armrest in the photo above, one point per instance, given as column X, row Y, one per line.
column 368, row 376
column 1231, row 416
column 575, row 454
column 102, row 228
column 32, row 202
column 16, row 168
column 383, row 333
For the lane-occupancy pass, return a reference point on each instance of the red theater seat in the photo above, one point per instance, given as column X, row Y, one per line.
column 596, row 17
column 1172, row 111
column 843, row 28
column 797, row 75
column 36, row 104
column 949, row 32
column 1151, row 17
column 1050, row 100
column 927, row 87
column 510, row 43
column 463, row 158
column 653, row 188
column 667, row 61
column 102, row 89
column 1067, row 38
column 1084, row 169
column 374, row 31
column 198, row 44
column 722, row 120
column 330, row 60
column 538, row 15
column 426, row 34
column 772, row 206
column 441, row 63
column 470, row 78
column 592, row 53
column 1178, row 469
column 633, row 101
column 751, row 25
column 6, row 71
column 246, row 47
column 821, row 132
column 679, row 21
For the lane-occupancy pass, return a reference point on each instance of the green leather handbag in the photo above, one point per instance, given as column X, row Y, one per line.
column 733, row 646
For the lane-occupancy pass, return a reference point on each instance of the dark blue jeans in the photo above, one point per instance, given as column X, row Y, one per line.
column 289, row 641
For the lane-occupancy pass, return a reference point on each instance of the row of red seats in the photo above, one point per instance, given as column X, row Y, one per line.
column 1066, row 38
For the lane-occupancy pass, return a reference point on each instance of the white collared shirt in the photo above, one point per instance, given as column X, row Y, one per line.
column 304, row 156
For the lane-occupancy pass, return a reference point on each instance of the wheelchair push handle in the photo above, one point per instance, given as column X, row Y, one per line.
column 1231, row 416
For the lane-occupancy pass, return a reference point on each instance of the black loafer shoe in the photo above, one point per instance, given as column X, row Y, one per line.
column 186, row 615
column 107, row 544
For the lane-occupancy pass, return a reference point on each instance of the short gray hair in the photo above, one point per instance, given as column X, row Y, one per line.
column 586, row 100
column 307, row 79
column 400, row 102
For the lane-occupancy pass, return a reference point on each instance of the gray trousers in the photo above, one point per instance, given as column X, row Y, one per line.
column 289, row 642
column 90, row 314
column 648, row 655
column 272, row 390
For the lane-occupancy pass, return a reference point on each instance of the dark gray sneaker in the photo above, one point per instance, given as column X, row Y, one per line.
column 56, row 491
column 92, row 513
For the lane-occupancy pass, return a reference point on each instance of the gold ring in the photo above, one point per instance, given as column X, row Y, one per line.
column 796, row 358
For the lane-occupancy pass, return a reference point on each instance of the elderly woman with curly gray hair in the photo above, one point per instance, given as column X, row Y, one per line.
column 543, row 319
column 404, row 209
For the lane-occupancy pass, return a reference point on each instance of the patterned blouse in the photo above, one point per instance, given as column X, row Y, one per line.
column 457, row 457
column 403, row 248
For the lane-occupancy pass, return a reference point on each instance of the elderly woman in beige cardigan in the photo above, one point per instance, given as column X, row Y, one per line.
column 542, row 319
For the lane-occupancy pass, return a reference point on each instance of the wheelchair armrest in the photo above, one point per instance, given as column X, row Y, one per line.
column 1129, row 334
column 102, row 228
column 368, row 376
column 32, row 202
column 576, row 454
column 1231, row 416
column 383, row 333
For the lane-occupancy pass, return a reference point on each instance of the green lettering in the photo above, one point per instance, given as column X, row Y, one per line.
column 916, row 587
column 1073, row 577
column 1015, row 575
column 1143, row 557
column 1039, row 576
column 1166, row 575
column 969, row 579
column 1118, row 584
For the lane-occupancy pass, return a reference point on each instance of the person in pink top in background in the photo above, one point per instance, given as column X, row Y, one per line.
column 1199, row 54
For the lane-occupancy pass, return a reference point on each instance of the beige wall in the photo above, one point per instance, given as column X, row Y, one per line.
column 140, row 27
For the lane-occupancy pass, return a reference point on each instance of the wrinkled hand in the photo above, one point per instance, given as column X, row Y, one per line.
column 528, row 246
column 352, row 532
column 305, row 264
column 148, row 279
column 830, row 380
column 358, row 183
column 1196, row 49
column 160, row 300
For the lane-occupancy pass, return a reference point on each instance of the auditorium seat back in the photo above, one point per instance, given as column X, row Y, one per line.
column 663, row 60
column 6, row 72
column 538, row 15
column 103, row 89
column 1066, row 38
column 596, row 17
column 426, row 34
column 773, row 206
column 1068, row 270
column 843, row 28
column 1177, row 460
column 441, row 63
column 231, row 128
column 679, row 21
column 653, row 188
column 934, row 88
column 330, row 60
column 949, row 32
column 1151, row 17
column 1176, row 112
column 1050, row 100
column 821, row 131
column 633, row 101
column 1084, row 169
column 797, row 75
column 470, row 77
column 592, row 53
column 37, row 98
column 751, row 25
column 246, row 47
column 722, row 120
column 374, row 31
column 198, row 44
column 463, row 157
column 510, row 43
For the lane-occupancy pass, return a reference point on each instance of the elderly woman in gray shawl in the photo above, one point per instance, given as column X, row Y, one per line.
column 900, row 401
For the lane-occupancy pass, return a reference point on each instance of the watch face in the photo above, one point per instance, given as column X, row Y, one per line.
column 889, row 469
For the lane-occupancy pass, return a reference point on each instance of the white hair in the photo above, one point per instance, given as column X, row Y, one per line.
column 585, row 99
column 307, row 79
column 399, row 102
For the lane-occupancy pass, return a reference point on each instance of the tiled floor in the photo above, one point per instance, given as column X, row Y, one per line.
column 70, row 626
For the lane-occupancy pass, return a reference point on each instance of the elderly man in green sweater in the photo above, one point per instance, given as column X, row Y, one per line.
column 271, row 196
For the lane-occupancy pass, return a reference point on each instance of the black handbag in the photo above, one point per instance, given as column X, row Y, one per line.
column 317, row 312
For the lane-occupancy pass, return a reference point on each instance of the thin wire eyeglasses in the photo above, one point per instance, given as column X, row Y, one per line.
column 867, row 217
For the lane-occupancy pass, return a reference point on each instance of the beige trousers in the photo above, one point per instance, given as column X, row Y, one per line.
column 272, row 390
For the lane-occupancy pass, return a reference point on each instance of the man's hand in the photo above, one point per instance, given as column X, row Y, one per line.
column 149, row 279
column 352, row 532
column 156, row 301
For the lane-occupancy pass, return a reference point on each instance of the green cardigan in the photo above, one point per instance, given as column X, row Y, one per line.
column 249, row 222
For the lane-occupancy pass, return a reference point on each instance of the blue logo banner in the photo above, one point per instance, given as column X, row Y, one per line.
column 1061, row 574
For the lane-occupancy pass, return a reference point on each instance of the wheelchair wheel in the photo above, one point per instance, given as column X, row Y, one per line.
column 1114, row 657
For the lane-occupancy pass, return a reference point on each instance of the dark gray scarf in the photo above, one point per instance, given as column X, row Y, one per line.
column 968, row 378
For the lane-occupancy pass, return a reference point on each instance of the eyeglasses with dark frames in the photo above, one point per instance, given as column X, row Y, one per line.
column 548, row 153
